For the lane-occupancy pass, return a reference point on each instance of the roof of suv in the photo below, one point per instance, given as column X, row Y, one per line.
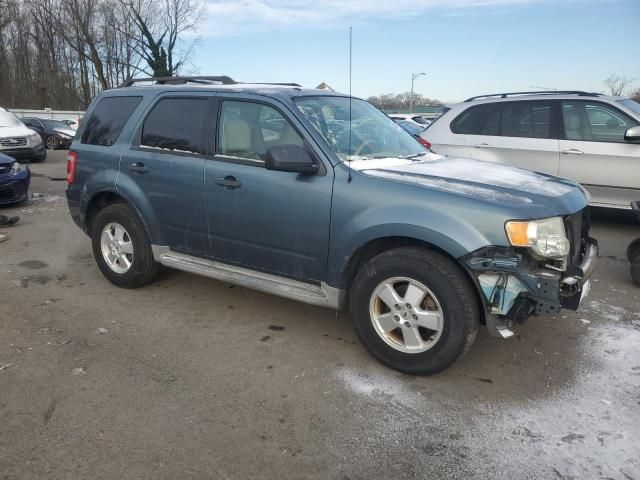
column 515, row 96
column 223, row 84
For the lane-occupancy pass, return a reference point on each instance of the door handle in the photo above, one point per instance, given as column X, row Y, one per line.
column 138, row 167
column 229, row 182
column 482, row 145
column 572, row 151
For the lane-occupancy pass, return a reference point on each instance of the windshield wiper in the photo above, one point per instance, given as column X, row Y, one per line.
column 415, row 155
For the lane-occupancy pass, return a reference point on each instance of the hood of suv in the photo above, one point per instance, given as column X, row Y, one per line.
column 489, row 182
column 19, row 131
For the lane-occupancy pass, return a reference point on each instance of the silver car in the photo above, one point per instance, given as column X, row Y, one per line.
column 588, row 137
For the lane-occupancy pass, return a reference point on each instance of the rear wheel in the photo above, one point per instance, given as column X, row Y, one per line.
column 414, row 310
column 121, row 247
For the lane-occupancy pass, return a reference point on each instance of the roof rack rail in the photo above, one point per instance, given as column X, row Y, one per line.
column 223, row 80
column 538, row 92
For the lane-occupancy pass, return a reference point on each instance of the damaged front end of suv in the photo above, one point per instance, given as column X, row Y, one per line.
column 546, row 268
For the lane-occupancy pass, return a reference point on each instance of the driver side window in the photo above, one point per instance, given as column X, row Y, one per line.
column 247, row 130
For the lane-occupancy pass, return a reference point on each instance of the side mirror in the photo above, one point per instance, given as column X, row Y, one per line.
column 632, row 134
column 290, row 158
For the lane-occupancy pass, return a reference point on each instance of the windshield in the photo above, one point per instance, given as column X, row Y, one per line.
column 53, row 124
column 631, row 104
column 8, row 119
column 373, row 134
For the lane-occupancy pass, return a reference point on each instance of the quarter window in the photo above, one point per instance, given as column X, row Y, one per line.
column 176, row 125
column 470, row 121
column 107, row 120
column 247, row 130
column 594, row 122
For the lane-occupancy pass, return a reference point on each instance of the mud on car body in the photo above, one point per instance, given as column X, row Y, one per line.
column 321, row 198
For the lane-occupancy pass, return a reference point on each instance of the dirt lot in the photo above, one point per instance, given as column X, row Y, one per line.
column 193, row 378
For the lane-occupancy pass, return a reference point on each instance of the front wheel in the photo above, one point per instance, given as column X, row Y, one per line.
column 53, row 143
column 414, row 310
column 121, row 247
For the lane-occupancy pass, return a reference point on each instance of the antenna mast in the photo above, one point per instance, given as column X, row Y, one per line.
column 350, row 69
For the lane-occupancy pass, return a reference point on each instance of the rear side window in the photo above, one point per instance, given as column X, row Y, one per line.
column 471, row 121
column 107, row 119
column 176, row 124
column 526, row 119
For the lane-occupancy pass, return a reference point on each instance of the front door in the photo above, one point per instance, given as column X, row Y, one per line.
column 593, row 151
column 276, row 222
column 166, row 162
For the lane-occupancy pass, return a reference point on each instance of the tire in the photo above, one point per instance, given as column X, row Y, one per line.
column 633, row 250
column 52, row 143
column 635, row 270
column 142, row 269
column 450, row 296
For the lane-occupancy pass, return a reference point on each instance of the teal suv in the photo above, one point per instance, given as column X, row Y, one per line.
column 321, row 198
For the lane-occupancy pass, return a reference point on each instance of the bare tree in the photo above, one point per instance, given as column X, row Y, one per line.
column 618, row 84
column 390, row 101
column 160, row 29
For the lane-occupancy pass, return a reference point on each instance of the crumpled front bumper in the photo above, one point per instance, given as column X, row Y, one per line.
column 513, row 286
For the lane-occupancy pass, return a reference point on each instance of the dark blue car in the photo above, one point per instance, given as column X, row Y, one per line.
column 14, row 181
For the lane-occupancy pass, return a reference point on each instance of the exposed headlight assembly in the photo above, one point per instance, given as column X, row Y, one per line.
column 546, row 237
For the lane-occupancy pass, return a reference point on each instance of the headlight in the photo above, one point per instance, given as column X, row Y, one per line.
column 546, row 237
column 35, row 138
column 16, row 167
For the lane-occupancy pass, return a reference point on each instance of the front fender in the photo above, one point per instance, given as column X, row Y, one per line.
column 445, row 231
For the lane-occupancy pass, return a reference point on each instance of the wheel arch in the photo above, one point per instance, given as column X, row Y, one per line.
column 376, row 246
column 104, row 198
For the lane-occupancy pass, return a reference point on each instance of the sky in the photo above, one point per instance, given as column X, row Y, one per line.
column 465, row 47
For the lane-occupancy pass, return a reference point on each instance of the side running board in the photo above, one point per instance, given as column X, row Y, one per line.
column 322, row 295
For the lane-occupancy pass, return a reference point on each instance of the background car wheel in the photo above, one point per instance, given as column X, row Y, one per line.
column 633, row 250
column 121, row 247
column 414, row 310
column 53, row 143
column 635, row 270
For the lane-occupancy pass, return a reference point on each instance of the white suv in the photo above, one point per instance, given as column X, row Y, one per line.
column 587, row 137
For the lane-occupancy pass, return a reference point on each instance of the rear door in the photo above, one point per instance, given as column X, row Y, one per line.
column 165, row 166
column 594, row 152
column 521, row 134
column 277, row 222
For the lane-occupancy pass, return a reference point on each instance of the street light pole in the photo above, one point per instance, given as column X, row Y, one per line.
column 413, row 78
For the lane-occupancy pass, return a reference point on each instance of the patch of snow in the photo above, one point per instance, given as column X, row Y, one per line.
column 452, row 186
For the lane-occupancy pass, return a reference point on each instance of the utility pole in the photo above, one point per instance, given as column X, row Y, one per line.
column 413, row 78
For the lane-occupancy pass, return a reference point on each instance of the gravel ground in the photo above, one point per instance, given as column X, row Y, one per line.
column 193, row 378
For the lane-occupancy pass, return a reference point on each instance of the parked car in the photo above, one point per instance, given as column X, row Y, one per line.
column 55, row 133
column 633, row 251
column 416, row 119
column 591, row 138
column 332, row 205
column 14, row 181
column 414, row 131
column 72, row 124
column 18, row 141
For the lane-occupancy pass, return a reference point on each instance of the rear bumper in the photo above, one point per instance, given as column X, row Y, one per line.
column 75, row 210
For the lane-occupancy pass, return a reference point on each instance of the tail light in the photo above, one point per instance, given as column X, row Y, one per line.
column 72, row 162
column 424, row 142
